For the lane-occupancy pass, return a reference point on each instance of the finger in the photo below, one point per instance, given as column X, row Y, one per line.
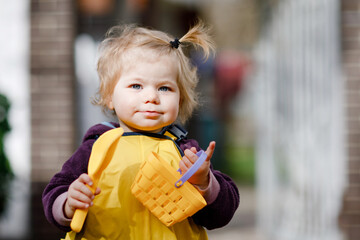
column 183, row 167
column 186, row 161
column 210, row 150
column 193, row 149
column 75, row 204
column 82, row 188
column 191, row 156
column 84, row 178
column 97, row 191
column 81, row 196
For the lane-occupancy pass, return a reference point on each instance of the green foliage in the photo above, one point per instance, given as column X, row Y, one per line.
column 241, row 163
column 6, row 173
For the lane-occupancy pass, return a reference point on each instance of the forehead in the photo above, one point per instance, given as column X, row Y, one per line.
column 132, row 56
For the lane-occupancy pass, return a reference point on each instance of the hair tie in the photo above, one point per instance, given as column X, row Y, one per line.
column 175, row 43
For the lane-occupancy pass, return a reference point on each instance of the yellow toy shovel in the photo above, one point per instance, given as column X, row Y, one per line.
column 100, row 157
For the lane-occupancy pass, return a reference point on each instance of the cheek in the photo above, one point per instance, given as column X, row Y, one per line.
column 126, row 104
column 121, row 103
column 176, row 106
column 116, row 101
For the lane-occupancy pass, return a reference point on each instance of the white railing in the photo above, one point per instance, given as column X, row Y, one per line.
column 299, row 109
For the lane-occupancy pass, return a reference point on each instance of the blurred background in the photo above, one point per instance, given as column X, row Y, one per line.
column 281, row 97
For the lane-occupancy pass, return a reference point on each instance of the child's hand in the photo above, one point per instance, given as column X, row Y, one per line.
column 79, row 195
column 201, row 177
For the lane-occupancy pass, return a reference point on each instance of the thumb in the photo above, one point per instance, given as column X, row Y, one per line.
column 210, row 150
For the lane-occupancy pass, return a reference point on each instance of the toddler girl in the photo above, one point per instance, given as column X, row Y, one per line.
column 149, row 84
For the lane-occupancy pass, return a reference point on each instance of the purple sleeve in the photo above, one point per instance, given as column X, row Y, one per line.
column 59, row 184
column 71, row 170
column 218, row 213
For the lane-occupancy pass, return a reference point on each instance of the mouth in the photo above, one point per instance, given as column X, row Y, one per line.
column 151, row 113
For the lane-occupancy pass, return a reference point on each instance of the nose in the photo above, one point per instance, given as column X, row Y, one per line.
column 151, row 96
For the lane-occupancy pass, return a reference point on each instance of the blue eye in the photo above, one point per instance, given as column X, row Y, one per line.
column 165, row 89
column 135, row 86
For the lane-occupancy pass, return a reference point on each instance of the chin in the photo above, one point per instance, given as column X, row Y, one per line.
column 150, row 126
column 152, row 129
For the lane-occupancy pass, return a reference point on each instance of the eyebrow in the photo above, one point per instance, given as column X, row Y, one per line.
column 167, row 81
column 159, row 82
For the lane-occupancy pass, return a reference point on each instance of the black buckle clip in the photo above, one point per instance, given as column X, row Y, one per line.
column 179, row 132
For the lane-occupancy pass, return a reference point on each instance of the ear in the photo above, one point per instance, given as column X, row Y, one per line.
column 110, row 104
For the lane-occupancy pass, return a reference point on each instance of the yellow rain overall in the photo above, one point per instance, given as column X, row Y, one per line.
column 116, row 213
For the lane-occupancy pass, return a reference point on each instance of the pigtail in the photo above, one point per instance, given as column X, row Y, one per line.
column 199, row 35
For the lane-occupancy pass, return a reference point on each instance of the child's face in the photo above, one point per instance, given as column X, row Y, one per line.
column 146, row 96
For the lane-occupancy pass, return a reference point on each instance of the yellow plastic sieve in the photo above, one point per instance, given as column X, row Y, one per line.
column 167, row 194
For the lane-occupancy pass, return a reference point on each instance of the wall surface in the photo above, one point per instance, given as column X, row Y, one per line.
column 52, row 86
column 52, row 100
column 350, row 215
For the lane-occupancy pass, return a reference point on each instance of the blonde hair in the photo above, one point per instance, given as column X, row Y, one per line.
column 121, row 38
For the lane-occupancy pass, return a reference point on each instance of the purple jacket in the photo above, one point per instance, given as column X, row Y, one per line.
column 214, row 215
